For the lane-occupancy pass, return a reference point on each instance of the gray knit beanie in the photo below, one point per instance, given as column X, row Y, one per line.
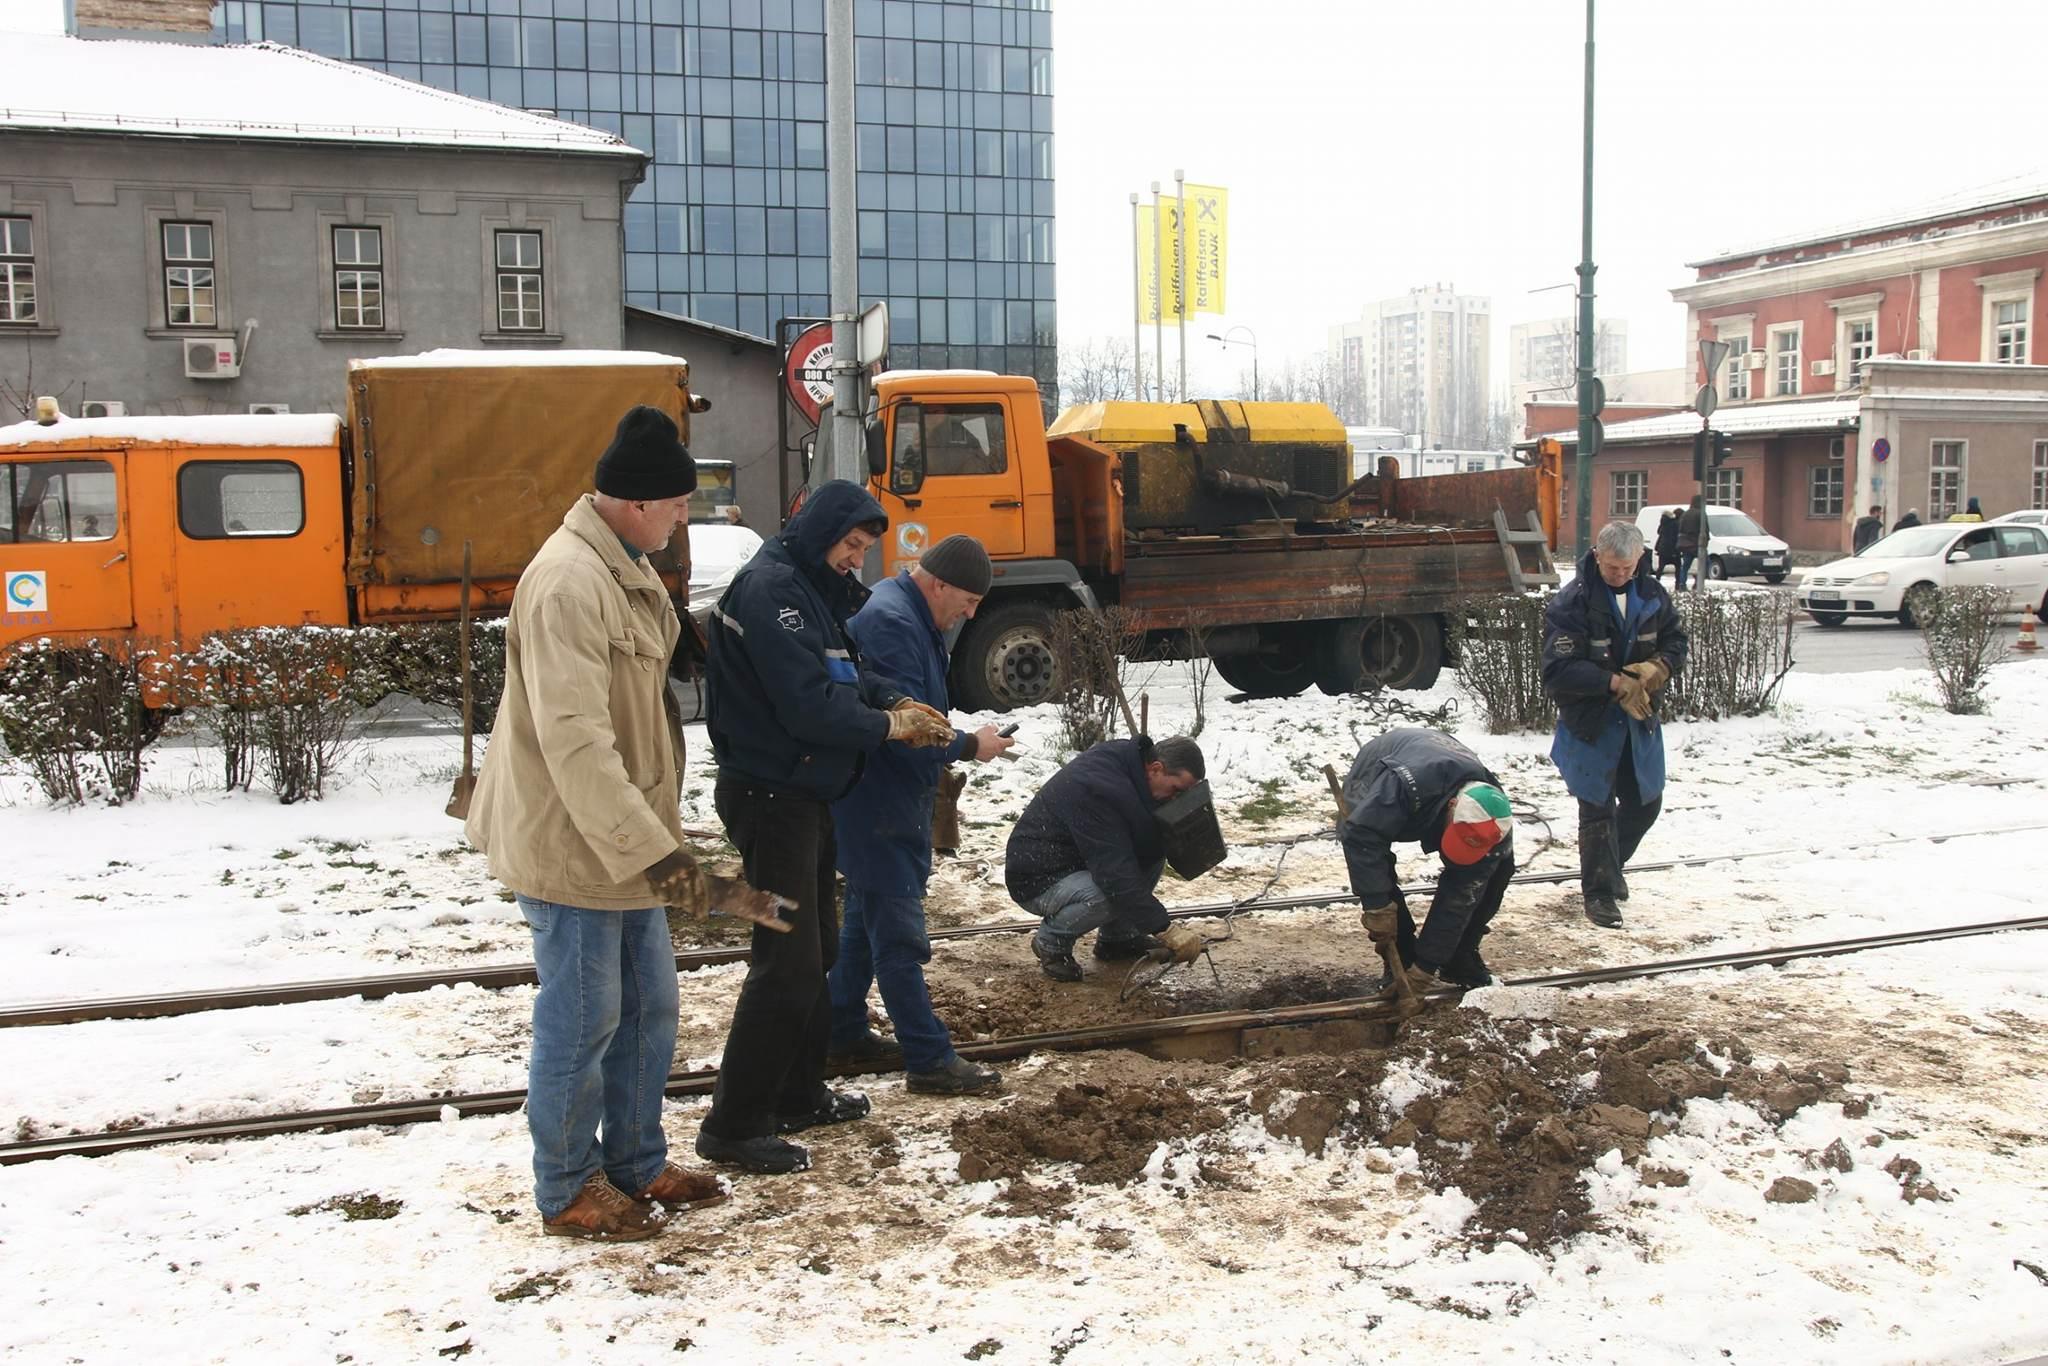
column 960, row 561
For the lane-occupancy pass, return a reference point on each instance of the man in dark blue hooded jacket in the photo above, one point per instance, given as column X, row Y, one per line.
column 792, row 717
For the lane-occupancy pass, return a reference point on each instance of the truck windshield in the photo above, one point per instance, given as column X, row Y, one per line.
column 60, row 500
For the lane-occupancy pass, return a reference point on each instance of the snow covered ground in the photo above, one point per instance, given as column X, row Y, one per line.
column 883, row 1253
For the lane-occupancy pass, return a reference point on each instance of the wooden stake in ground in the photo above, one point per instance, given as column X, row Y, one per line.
column 465, row 781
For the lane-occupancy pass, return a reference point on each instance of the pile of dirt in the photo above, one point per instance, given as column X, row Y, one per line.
column 1510, row 1112
column 1109, row 1132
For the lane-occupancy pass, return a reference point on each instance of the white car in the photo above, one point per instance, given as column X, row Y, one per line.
column 1736, row 545
column 1896, row 575
column 717, row 550
column 2028, row 516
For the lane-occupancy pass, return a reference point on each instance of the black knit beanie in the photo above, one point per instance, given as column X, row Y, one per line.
column 960, row 561
column 647, row 459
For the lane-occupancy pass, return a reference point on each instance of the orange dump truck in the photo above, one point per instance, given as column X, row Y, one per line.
column 1232, row 527
column 164, row 529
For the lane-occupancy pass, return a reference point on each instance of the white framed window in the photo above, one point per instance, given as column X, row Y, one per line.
column 1945, row 462
column 358, row 278
column 17, row 270
column 188, row 274
column 2009, row 331
column 2008, row 317
column 1724, row 486
column 1627, row 491
column 1785, row 361
column 1735, row 385
column 2040, row 498
column 1824, row 490
column 520, row 280
column 1859, row 344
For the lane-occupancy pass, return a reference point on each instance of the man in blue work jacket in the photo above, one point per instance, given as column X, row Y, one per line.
column 884, row 828
column 793, row 717
column 1611, row 640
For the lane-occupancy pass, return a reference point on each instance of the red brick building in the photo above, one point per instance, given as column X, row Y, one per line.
column 1890, row 363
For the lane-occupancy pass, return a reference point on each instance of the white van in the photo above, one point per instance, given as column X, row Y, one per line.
column 1736, row 545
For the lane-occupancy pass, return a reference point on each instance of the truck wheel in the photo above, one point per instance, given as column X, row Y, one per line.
column 1005, row 659
column 1267, row 675
column 1381, row 652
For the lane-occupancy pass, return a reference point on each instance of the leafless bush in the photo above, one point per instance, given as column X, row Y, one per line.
column 1964, row 637
column 423, row 659
column 291, row 698
column 1499, row 640
column 1088, row 650
column 1200, row 669
column 1739, row 651
column 74, row 713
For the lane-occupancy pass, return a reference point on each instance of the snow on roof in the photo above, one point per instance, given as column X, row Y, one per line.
column 1997, row 194
column 448, row 358
column 221, row 429
column 261, row 90
column 1750, row 419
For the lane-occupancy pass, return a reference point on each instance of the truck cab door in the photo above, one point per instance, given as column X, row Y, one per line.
column 64, row 543
column 952, row 465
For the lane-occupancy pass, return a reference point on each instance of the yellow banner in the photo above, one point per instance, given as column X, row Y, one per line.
column 1159, row 263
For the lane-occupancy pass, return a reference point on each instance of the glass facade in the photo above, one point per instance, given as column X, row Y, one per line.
column 953, row 148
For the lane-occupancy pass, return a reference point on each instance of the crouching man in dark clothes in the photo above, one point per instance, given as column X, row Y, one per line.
column 1422, row 785
column 1088, row 851
column 793, row 715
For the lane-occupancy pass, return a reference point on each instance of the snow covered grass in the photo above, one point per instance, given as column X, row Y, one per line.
column 202, row 1252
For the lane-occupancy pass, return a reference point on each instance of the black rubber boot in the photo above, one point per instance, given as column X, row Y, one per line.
column 957, row 1078
column 869, row 1053
column 833, row 1107
column 766, row 1155
column 1061, row 967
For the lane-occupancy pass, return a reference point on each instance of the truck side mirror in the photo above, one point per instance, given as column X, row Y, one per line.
column 907, row 473
column 878, row 453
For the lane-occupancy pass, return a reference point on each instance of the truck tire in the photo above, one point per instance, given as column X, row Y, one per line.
column 1267, row 675
column 1005, row 659
column 1381, row 652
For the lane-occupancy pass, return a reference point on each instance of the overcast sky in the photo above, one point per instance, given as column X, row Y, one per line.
column 1375, row 145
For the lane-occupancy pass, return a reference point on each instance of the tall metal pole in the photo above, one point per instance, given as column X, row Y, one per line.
column 1137, row 311
column 1159, row 317
column 1588, row 418
column 1180, row 271
column 849, row 460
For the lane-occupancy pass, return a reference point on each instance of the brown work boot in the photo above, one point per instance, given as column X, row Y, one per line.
column 605, row 1214
column 676, row 1189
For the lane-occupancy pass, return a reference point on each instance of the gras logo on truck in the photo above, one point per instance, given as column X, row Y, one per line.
column 28, row 592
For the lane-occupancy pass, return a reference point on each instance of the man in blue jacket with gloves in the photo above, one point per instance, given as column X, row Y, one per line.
column 1611, row 640
column 884, row 827
column 793, row 717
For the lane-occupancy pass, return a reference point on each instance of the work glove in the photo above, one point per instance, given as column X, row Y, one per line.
column 678, row 881
column 1654, row 673
column 919, row 726
column 1633, row 695
column 1180, row 943
column 1381, row 922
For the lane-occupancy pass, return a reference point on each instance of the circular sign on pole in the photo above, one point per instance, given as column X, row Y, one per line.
column 808, row 370
column 1706, row 401
column 1880, row 450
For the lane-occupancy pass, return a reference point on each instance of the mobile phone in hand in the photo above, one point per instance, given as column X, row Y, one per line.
column 1007, row 731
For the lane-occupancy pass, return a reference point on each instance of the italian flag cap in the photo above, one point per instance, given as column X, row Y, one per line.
column 1479, row 819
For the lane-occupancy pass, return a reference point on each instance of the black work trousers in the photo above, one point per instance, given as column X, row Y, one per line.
column 1609, row 831
column 1467, row 897
column 775, row 1051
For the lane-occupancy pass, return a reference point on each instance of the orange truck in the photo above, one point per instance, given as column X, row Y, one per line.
column 1233, row 528
column 165, row 529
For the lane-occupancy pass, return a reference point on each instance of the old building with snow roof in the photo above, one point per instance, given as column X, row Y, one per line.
column 187, row 228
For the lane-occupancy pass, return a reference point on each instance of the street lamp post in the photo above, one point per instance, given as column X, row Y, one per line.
column 1224, row 338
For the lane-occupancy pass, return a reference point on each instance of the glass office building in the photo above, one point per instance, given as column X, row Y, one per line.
column 953, row 148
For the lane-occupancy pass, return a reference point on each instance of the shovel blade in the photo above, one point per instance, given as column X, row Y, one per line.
column 458, row 798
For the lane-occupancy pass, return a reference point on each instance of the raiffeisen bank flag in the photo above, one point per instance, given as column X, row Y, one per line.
column 1208, row 211
column 1159, row 239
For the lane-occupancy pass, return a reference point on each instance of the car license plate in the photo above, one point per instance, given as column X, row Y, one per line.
column 1774, row 559
column 1820, row 595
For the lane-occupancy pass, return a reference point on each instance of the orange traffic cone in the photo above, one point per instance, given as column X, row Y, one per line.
column 2026, row 640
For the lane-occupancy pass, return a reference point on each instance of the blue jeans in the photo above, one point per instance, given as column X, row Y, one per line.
column 1075, row 905
column 882, row 941
column 604, row 1038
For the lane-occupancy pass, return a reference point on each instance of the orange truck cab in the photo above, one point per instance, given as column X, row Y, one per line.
column 164, row 529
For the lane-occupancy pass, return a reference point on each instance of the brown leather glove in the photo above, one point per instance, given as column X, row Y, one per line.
column 1381, row 922
column 1181, row 944
column 919, row 726
column 1655, row 673
column 679, row 882
column 1633, row 695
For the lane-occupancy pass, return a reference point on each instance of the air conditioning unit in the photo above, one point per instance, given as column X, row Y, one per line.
column 1753, row 359
column 269, row 409
column 1823, row 367
column 212, row 358
column 103, row 407
column 1838, row 447
column 1917, row 355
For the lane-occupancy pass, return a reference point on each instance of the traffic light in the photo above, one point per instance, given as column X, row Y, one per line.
column 1724, row 446
column 1699, row 456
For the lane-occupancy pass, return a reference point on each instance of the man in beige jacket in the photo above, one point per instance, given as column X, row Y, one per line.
column 577, row 810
